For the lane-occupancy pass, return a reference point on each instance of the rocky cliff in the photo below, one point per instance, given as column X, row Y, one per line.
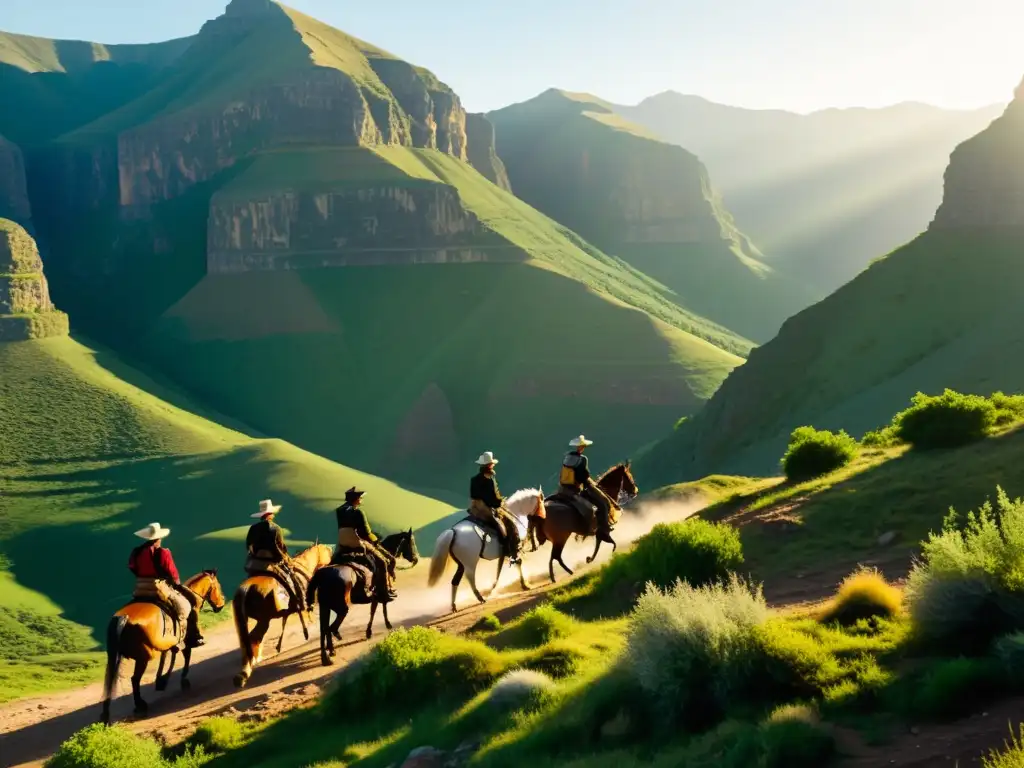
column 481, row 151
column 26, row 311
column 984, row 183
column 14, row 203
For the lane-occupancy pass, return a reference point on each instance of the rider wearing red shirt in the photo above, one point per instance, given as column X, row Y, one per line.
column 151, row 561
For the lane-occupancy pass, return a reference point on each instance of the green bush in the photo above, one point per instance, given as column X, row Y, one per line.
column 957, row 687
column 948, row 420
column 968, row 587
column 486, row 623
column 814, row 452
column 99, row 746
column 695, row 551
column 1012, row 755
column 1009, row 408
column 886, row 437
column 691, row 648
column 411, row 665
column 864, row 594
column 1009, row 650
column 537, row 627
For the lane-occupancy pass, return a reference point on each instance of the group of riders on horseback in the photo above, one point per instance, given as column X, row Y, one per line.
column 157, row 578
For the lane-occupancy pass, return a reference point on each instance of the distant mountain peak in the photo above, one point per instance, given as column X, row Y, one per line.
column 252, row 8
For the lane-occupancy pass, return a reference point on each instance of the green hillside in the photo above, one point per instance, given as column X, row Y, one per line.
column 91, row 450
column 413, row 369
column 822, row 193
column 646, row 201
column 941, row 312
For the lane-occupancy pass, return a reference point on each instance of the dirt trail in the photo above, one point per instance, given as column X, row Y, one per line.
column 32, row 729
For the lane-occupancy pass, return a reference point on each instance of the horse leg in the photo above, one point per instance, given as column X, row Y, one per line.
column 280, row 640
column 497, row 577
column 387, row 621
column 551, row 564
column 557, row 554
column 325, row 632
column 186, row 659
column 256, row 640
column 342, row 613
column 141, row 707
column 456, row 580
column 373, row 613
column 597, row 546
column 471, row 576
column 522, row 577
column 170, row 668
column 160, row 683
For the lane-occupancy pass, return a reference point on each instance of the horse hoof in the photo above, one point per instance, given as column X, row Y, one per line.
column 590, row 560
column 326, row 661
column 160, row 687
column 332, row 653
column 186, row 684
column 389, row 627
column 305, row 634
column 337, row 635
column 240, row 681
column 369, row 634
column 141, row 709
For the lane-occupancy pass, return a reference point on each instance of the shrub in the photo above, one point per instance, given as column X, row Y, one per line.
column 948, row 420
column 968, row 587
column 885, row 437
column 957, row 687
column 99, row 746
column 218, row 734
column 695, row 551
column 412, row 664
column 487, row 623
column 814, row 452
column 1009, row 650
column 1009, row 408
column 1012, row 755
column 864, row 594
column 537, row 627
column 691, row 647
column 792, row 737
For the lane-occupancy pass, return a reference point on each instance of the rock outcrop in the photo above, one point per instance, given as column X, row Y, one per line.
column 984, row 182
column 481, row 151
column 26, row 311
column 14, row 204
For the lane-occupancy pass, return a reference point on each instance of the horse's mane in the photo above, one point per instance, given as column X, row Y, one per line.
column 308, row 554
column 518, row 497
column 620, row 466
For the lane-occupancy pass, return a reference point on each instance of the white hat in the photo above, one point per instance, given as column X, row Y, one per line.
column 267, row 507
column 152, row 531
column 576, row 442
column 486, row 458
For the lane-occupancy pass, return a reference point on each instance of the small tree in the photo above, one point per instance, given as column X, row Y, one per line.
column 948, row 420
column 813, row 452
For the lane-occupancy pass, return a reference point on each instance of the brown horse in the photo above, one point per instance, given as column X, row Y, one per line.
column 257, row 598
column 139, row 631
column 560, row 521
column 335, row 589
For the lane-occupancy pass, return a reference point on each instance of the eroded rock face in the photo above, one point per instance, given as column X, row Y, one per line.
column 364, row 225
column 984, row 183
column 26, row 311
column 481, row 152
column 14, row 204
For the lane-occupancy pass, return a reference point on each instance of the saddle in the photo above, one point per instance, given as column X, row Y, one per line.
column 359, row 565
column 156, row 592
column 579, row 505
column 255, row 565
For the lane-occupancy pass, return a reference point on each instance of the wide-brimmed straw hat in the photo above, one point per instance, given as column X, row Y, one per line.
column 267, row 507
column 352, row 494
column 576, row 442
column 152, row 531
column 486, row 458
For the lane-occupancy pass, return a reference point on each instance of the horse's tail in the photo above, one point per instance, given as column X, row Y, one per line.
column 439, row 560
column 242, row 622
column 114, row 629
column 537, row 529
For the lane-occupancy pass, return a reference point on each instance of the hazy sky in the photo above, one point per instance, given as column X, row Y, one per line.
column 792, row 54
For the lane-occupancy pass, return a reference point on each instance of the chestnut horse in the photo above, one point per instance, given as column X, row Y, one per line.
column 255, row 599
column 561, row 521
column 334, row 588
column 139, row 631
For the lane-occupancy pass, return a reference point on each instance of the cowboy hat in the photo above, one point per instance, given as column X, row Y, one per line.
column 352, row 493
column 486, row 458
column 152, row 531
column 267, row 507
column 576, row 442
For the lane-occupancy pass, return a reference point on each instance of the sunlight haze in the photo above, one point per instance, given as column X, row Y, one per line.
column 799, row 55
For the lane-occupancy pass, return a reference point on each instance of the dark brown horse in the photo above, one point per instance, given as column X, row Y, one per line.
column 338, row 587
column 560, row 521
column 262, row 599
column 139, row 631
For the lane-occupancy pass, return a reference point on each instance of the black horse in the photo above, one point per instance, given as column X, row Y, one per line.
column 339, row 587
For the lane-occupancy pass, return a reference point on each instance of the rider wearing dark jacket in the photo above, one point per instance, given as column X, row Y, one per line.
column 356, row 539
column 487, row 505
column 574, row 480
column 265, row 541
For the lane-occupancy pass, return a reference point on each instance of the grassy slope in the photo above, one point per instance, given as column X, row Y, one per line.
column 371, row 340
column 90, row 450
column 646, row 201
column 857, row 357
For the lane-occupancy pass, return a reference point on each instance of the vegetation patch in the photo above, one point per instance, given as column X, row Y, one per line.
column 814, row 452
column 864, row 594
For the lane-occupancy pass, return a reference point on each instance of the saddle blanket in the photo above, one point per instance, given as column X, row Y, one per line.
column 170, row 624
column 364, row 576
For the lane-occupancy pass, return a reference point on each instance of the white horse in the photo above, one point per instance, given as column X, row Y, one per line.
column 467, row 542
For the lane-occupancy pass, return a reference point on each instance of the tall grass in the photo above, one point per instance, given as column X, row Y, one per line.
column 968, row 587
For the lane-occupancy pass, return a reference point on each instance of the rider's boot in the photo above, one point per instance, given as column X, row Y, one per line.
column 193, row 637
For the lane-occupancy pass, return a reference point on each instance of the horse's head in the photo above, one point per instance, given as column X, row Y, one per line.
column 618, row 484
column 207, row 586
column 402, row 545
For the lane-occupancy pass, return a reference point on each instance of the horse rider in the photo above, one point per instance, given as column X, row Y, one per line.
column 356, row 539
column 265, row 544
column 575, row 482
column 157, row 576
column 487, row 505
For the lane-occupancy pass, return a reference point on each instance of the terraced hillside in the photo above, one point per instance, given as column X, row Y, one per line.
column 91, row 450
column 289, row 223
column 824, row 193
column 644, row 200
column 941, row 312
